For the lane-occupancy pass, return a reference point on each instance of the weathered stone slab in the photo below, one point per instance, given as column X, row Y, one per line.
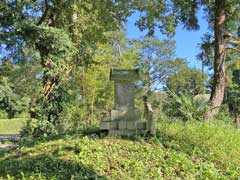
column 114, row 114
column 132, row 125
column 124, row 74
column 114, row 125
column 125, row 114
column 124, row 118
column 124, row 95
column 105, row 125
column 122, row 125
column 141, row 125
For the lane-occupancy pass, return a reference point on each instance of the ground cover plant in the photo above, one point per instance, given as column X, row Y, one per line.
column 192, row 150
column 55, row 60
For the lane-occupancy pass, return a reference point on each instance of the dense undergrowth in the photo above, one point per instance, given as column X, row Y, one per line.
column 192, row 150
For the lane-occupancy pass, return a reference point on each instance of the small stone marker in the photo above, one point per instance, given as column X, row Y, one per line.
column 124, row 120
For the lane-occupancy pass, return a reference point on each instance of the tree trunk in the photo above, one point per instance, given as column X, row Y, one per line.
column 218, row 87
column 148, row 111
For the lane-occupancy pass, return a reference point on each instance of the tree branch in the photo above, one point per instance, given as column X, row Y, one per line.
column 43, row 17
column 228, row 34
column 235, row 49
column 233, row 41
column 5, row 33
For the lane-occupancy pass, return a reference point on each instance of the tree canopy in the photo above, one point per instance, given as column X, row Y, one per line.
column 58, row 53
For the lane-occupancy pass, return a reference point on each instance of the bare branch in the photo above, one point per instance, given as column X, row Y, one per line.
column 5, row 33
column 228, row 34
column 235, row 49
column 43, row 17
column 233, row 41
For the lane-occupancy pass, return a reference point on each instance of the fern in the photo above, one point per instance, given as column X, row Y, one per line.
column 189, row 108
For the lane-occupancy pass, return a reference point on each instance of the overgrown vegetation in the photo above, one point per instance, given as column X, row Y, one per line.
column 192, row 150
column 55, row 59
column 186, row 107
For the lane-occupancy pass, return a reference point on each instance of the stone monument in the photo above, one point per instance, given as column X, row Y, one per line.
column 124, row 118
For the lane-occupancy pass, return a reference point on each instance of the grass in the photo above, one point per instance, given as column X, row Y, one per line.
column 180, row 151
column 11, row 126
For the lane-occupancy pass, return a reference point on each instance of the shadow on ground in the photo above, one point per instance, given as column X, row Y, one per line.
column 45, row 167
column 92, row 132
column 51, row 166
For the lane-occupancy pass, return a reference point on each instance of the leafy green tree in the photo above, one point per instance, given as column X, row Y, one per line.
column 9, row 101
column 61, row 35
column 232, row 98
column 223, row 16
column 92, row 85
column 6, row 68
column 186, row 81
column 157, row 61
column 156, row 64
column 223, row 19
column 154, row 14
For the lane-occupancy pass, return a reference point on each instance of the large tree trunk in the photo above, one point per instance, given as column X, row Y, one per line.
column 218, row 87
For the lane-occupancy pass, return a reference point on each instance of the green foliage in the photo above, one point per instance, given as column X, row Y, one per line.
column 56, row 51
column 49, row 33
column 9, row 101
column 186, row 107
column 158, row 101
column 6, row 68
column 155, row 14
column 90, row 89
column 232, row 98
column 186, row 81
column 59, row 53
column 192, row 150
column 186, row 12
column 39, row 128
column 157, row 61
column 216, row 143
column 55, row 47
column 206, row 54
column 224, row 116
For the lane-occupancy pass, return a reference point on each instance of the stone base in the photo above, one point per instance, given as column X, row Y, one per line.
column 130, row 114
column 124, row 127
column 106, row 125
column 124, row 121
column 124, row 132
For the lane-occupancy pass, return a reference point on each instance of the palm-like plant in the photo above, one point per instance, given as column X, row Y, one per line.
column 188, row 107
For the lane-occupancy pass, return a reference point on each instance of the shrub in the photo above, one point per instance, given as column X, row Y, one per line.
column 186, row 107
column 37, row 128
